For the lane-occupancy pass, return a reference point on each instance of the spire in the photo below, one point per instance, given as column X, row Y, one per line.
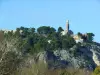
column 67, row 25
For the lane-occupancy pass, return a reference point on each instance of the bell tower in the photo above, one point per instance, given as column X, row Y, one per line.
column 67, row 25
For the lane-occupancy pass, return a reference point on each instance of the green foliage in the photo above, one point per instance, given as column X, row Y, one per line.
column 60, row 29
column 1, row 36
column 25, row 41
column 76, row 50
column 45, row 30
column 97, row 71
column 79, row 34
column 10, row 55
column 90, row 37
column 67, row 42
column 41, row 44
column 33, row 42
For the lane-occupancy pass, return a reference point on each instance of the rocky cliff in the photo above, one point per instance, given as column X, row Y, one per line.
column 84, row 55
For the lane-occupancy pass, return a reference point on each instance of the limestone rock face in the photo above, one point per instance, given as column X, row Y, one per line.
column 42, row 56
column 96, row 58
column 86, row 57
column 96, row 54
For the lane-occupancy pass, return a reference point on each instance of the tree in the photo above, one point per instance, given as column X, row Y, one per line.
column 52, row 30
column 90, row 37
column 32, row 30
column 97, row 71
column 37, row 48
column 79, row 34
column 67, row 42
column 17, row 32
column 1, row 35
column 51, row 46
column 60, row 29
column 10, row 55
column 58, row 44
column 45, row 30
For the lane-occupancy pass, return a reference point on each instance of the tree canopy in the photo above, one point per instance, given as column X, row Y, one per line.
column 33, row 40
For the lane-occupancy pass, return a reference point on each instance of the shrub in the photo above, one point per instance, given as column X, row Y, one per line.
column 38, row 68
column 41, row 68
column 97, row 71
column 10, row 57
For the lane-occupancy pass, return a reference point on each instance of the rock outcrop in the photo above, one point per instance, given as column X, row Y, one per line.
column 83, row 56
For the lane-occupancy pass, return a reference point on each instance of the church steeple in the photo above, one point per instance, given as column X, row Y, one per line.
column 67, row 25
column 67, row 30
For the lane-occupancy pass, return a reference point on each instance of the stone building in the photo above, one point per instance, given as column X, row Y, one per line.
column 76, row 37
column 67, row 30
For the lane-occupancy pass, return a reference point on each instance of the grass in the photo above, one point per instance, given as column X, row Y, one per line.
column 41, row 69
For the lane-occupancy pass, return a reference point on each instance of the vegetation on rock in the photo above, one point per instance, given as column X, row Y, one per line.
column 16, row 46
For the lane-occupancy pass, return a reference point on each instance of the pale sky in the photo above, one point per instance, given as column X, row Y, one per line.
column 83, row 15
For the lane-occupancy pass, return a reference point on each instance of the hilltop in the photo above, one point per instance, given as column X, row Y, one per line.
column 56, row 48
